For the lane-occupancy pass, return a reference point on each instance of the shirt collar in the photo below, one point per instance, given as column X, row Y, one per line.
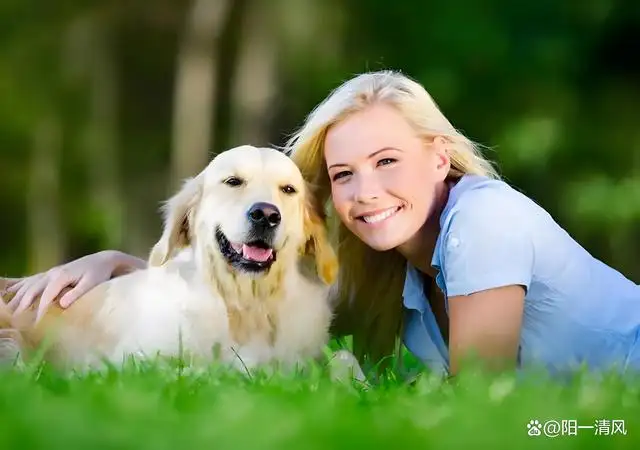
column 412, row 294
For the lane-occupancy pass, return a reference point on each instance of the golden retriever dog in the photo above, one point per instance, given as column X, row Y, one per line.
column 241, row 273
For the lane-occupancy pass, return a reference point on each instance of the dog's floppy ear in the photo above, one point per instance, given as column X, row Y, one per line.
column 178, row 214
column 317, row 241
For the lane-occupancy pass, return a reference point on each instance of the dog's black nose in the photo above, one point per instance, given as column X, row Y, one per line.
column 264, row 214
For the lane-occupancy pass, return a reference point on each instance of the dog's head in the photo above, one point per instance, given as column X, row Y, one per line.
column 251, row 208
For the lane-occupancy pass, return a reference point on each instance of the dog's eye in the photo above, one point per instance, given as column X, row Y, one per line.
column 288, row 189
column 233, row 181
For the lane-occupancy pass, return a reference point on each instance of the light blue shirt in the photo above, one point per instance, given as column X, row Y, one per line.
column 577, row 309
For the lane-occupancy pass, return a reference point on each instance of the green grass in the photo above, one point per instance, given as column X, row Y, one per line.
column 161, row 405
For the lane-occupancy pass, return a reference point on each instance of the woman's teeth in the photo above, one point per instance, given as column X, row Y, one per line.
column 381, row 216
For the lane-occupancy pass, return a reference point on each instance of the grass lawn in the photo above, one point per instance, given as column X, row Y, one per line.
column 160, row 405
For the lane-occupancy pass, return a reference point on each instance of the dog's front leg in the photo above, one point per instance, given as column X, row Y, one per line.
column 11, row 347
column 344, row 366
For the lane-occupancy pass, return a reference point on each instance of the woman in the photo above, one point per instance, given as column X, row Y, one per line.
column 434, row 248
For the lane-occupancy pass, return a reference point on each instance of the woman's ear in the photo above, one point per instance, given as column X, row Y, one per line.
column 440, row 147
column 317, row 242
column 178, row 214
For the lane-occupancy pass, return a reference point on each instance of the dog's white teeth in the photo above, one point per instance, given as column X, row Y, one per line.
column 237, row 248
column 380, row 217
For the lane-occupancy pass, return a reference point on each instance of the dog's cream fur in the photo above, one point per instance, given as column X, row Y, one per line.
column 189, row 299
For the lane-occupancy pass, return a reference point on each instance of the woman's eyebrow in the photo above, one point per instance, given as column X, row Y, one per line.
column 383, row 149
column 372, row 155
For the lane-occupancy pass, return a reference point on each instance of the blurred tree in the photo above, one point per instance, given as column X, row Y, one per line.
column 46, row 236
column 89, row 64
column 254, row 87
column 195, row 95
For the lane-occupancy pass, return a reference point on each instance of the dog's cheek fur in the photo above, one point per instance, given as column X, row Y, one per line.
column 317, row 243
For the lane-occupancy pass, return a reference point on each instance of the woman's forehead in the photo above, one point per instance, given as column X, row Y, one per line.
column 369, row 131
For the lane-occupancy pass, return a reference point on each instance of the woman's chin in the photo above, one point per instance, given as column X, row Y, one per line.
column 381, row 243
column 381, row 239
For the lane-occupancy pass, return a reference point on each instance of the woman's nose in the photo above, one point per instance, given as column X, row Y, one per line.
column 366, row 189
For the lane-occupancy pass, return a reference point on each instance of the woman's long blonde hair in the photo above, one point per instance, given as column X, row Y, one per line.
column 369, row 290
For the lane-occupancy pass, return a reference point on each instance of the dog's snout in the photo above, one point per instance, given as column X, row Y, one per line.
column 264, row 214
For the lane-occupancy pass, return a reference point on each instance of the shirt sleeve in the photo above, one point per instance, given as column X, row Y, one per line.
column 488, row 243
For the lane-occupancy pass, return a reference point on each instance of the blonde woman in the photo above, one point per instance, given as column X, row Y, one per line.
column 436, row 251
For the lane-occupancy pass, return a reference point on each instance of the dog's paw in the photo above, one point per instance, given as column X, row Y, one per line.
column 10, row 348
column 343, row 366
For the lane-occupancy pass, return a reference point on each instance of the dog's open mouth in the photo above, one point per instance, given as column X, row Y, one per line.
column 253, row 256
column 256, row 251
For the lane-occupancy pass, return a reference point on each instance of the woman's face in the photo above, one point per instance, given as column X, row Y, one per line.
column 384, row 177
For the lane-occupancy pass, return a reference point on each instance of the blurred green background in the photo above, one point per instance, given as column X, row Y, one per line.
column 106, row 105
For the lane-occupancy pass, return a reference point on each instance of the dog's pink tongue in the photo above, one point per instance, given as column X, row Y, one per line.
column 255, row 253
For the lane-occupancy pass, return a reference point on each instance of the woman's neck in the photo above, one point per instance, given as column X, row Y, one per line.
column 419, row 249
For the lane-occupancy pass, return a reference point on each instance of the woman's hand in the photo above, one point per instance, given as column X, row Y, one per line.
column 80, row 275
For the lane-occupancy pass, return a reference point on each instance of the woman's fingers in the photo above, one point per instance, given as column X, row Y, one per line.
column 20, row 290
column 51, row 291
column 7, row 291
column 12, row 288
column 29, row 294
column 8, row 283
column 84, row 285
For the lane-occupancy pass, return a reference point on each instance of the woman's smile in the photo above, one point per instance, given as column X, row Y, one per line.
column 379, row 216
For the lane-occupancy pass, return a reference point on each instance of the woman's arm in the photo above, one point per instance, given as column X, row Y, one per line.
column 486, row 325
column 125, row 263
column 76, row 277
column 487, row 262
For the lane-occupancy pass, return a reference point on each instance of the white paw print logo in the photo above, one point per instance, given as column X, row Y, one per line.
column 533, row 428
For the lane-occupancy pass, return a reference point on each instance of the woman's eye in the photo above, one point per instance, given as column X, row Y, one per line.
column 339, row 175
column 386, row 161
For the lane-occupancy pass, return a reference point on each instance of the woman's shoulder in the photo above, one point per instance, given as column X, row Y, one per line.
column 479, row 201
column 489, row 232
